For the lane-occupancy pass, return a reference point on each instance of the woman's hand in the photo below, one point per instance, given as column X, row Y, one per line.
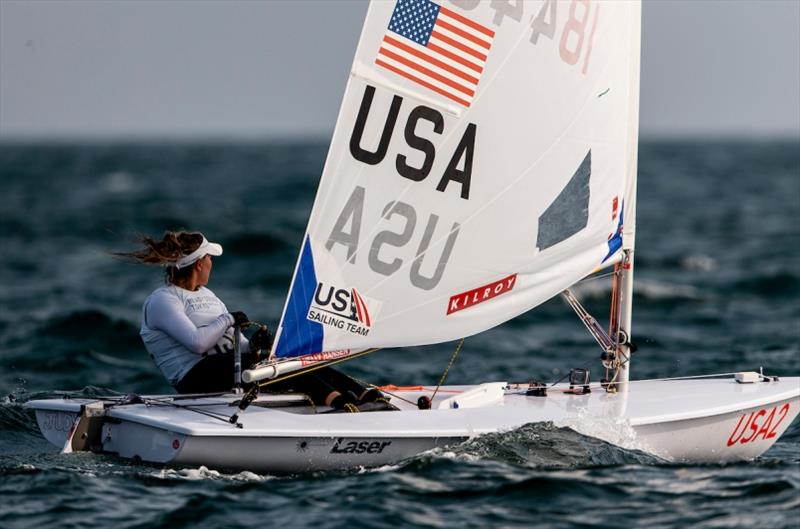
column 261, row 339
column 239, row 319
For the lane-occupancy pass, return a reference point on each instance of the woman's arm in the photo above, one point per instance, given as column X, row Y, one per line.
column 165, row 313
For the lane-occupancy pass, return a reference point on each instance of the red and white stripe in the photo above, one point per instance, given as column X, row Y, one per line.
column 452, row 62
column 361, row 309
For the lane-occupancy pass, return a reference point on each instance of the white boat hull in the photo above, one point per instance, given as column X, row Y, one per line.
column 686, row 421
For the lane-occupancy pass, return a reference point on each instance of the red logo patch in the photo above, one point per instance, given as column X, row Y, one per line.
column 314, row 358
column 472, row 297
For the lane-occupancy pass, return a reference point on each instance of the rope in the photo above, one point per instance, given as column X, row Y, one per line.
column 603, row 340
column 398, row 397
column 447, row 369
column 165, row 401
column 363, row 353
column 250, row 395
column 608, row 342
column 219, row 417
column 587, row 279
column 692, row 377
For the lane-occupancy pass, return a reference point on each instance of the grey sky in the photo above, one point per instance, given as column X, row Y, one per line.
column 276, row 68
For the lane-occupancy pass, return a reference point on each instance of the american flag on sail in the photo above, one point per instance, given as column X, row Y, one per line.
column 436, row 48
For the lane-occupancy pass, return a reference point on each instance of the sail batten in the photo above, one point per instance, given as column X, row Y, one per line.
column 439, row 218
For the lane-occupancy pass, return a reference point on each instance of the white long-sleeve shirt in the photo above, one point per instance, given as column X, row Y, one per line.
column 180, row 327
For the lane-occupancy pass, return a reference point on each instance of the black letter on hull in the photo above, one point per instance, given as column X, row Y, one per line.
column 373, row 158
column 421, row 144
column 467, row 146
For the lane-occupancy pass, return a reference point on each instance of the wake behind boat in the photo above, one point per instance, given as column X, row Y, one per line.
column 484, row 161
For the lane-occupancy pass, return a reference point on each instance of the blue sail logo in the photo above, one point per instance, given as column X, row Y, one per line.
column 342, row 308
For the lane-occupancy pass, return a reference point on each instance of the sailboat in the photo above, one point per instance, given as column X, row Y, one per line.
column 484, row 161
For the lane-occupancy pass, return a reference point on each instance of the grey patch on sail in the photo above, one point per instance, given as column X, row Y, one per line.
column 569, row 212
column 390, row 238
column 429, row 283
column 350, row 213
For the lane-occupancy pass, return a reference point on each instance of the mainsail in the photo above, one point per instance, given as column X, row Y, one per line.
column 483, row 161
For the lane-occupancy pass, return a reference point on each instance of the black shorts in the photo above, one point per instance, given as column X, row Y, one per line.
column 318, row 384
column 213, row 374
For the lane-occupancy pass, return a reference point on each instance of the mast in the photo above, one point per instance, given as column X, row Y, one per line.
column 629, row 226
column 626, row 309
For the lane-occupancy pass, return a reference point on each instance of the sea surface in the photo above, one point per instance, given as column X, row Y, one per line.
column 717, row 290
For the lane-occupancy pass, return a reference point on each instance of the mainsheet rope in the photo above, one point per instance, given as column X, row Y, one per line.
column 447, row 369
column 250, row 393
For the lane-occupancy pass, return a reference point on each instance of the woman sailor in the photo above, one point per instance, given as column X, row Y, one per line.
column 186, row 328
column 188, row 331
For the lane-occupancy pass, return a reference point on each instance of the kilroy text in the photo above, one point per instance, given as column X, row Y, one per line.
column 479, row 295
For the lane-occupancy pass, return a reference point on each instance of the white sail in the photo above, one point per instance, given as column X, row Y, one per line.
column 483, row 160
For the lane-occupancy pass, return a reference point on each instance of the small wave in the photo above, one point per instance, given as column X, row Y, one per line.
column 14, row 417
column 118, row 182
column 659, row 291
column 547, row 446
column 592, row 289
column 83, row 393
column 651, row 290
column 698, row 263
column 779, row 284
column 77, row 324
column 204, row 473
column 82, row 331
column 379, row 470
column 792, row 433
column 752, row 490
column 9, row 469
column 114, row 361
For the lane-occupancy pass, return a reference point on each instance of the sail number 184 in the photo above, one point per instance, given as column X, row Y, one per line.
column 577, row 33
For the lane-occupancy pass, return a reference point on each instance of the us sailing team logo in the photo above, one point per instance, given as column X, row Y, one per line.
column 342, row 308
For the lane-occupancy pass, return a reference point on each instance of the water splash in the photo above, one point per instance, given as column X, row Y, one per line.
column 204, row 473
column 549, row 446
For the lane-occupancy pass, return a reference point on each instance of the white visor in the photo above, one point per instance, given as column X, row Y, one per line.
column 205, row 248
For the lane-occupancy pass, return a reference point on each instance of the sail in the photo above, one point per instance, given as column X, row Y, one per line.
column 483, row 161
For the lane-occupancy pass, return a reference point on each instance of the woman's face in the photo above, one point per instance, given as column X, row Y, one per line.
column 204, row 270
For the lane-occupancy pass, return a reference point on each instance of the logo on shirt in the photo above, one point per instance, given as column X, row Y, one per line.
column 203, row 304
column 342, row 308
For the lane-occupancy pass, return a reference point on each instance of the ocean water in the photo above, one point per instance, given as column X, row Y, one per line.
column 717, row 290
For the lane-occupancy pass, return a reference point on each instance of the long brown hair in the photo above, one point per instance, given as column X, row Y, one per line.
column 166, row 252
